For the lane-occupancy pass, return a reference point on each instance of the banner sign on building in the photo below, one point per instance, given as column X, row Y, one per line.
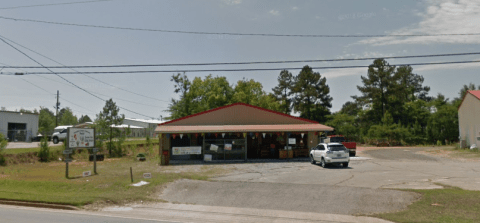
column 81, row 138
column 191, row 150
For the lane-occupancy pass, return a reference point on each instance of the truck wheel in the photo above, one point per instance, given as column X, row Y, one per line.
column 345, row 165
column 322, row 163
column 55, row 140
column 353, row 154
column 312, row 160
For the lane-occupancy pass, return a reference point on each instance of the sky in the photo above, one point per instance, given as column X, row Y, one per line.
column 147, row 95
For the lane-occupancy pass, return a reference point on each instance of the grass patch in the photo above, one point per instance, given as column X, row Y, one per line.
column 31, row 150
column 454, row 152
column 46, row 182
column 451, row 204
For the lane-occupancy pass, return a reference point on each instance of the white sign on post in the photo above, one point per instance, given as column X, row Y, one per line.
column 87, row 173
column 81, row 138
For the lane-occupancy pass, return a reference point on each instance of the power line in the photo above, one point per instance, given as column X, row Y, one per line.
column 240, row 34
column 247, row 63
column 79, row 71
column 53, row 4
column 251, row 69
column 67, row 79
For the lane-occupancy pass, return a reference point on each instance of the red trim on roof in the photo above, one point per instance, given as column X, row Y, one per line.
column 472, row 92
column 234, row 104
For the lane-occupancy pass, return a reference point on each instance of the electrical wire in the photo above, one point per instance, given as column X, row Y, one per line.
column 249, row 69
column 138, row 94
column 240, row 34
column 68, row 80
column 53, row 4
column 245, row 63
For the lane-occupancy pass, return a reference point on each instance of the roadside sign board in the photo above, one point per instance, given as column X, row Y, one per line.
column 81, row 138
column 87, row 173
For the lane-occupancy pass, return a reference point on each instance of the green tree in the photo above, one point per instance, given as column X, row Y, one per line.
column 44, row 153
column 283, row 90
column 344, row 124
column 209, row 93
column 105, row 121
column 443, row 122
column 181, row 107
column 67, row 117
column 46, row 121
column 252, row 93
column 378, row 88
column 84, row 119
column 312, row 97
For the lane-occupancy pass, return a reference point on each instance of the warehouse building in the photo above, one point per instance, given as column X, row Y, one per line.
column 18, row 126
column 147, row 125
column 469, row 119
column 238, row 132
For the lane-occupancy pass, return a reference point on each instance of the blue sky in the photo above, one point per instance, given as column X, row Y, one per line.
column 72, row 45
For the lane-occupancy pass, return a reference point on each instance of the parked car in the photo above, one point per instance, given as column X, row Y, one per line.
column 330, row 153
column 351, row 146
column 60, row 133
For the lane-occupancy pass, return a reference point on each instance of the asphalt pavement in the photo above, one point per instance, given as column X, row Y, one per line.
column 12, row 214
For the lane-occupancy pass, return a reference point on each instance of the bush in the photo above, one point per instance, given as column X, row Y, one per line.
column 439, row 143
column 44, row 153
column 3, row 145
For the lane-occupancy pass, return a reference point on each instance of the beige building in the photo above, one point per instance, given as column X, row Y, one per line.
column 238, row 132
column 469, row 119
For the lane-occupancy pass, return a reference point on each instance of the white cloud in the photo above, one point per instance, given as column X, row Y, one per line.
column 274, row 12
column 232, row 2
column 332, row 73
column 445, row 16
column 294, row 8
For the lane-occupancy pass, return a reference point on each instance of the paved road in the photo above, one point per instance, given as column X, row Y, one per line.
column 10, row 214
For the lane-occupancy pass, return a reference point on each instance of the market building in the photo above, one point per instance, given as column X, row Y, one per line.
column 18, row 126
column 238, row 132
column 469, row 119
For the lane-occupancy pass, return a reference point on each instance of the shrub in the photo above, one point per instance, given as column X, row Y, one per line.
column 3, row 145
column 44, row 153
column 439, row 143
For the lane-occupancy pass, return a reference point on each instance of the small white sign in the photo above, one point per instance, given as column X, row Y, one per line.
column 207, row 157
column 147, row 175
column 191, row 150
column 292, row 141
column 87, row 173
column 81, row 138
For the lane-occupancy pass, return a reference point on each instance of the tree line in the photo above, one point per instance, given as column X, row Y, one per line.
column 393, row 104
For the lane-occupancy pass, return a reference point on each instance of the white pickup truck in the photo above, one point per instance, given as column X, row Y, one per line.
column 330, row 153
column 60, row 133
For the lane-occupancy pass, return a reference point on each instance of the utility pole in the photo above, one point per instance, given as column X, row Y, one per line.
column 56, row 106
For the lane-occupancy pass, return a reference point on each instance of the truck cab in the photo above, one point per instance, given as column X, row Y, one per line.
column 60, row 133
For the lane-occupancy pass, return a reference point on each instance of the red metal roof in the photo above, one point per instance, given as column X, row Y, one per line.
column 243, row 128
column 235, row 104
column 474, row 93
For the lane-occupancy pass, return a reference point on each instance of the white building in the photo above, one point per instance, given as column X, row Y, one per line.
column 18, row 126
column 469, row 119
column 148, row 126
